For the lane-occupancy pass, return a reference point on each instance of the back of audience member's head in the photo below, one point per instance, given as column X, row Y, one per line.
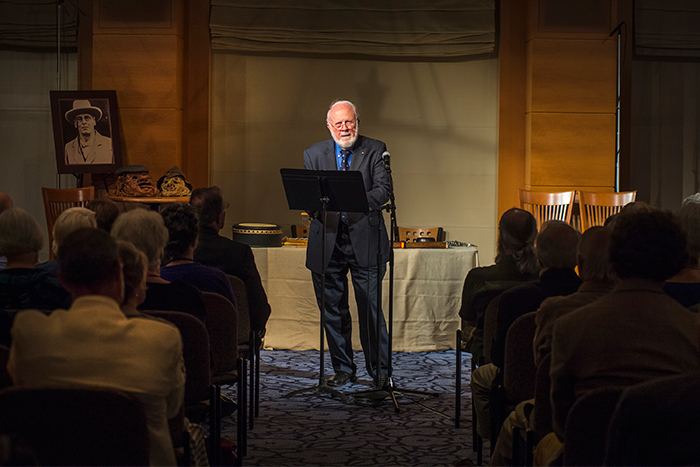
column 517, row 231
column 556, row 245
column 69, row 221
column 145, row 230
column 134, row 268
column 209, row 203
column 5, row 202
column 688, row 217
column 634, row 206
column 106, row 212
column 21, row 233
column 694, row 198
column 183, row 228
column 647, row 245
column 88, row 257
column 593, row 257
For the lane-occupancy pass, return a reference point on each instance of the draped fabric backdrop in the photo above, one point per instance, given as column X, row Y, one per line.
column 407, row 28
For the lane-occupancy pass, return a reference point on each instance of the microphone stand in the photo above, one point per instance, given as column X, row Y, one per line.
column 389, row 388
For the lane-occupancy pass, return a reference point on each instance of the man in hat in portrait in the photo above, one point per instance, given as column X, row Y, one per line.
column 89, row 147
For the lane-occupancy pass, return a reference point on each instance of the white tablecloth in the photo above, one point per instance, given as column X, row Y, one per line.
column 427, row 294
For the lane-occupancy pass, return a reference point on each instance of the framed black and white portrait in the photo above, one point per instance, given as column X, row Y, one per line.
column 86, row 131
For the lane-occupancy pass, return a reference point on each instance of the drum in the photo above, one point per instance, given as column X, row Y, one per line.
column 256, row 234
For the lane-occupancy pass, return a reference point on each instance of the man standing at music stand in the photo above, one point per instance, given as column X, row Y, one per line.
column 352, row 244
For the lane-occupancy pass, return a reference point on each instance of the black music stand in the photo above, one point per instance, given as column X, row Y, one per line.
column 323, row 191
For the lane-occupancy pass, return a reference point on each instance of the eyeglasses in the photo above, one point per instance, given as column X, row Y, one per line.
column 349, row 124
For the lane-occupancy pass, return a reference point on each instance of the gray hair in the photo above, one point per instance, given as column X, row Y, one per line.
column 593, row 250
column 145, row 229
column 694, row 198
column 556, row 245
column 68, row 222
column 19, row 233
column 688, row 216
column 354, row 109
column 134, row 262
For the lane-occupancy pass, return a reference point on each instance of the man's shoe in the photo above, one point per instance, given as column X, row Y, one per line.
column 384, row 382
column 341, row 378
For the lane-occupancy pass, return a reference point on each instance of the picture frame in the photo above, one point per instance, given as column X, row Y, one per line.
column 86, row 131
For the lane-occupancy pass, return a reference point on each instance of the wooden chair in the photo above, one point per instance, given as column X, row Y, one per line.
column 547, row 206
column 300, row 231
column 586, row 427
column 408, row 234
column 248, row 345
column 519, row 373
column 78, row 426
column 227, row 367
column 597, row 207
column 655, row 423
column 57, row 200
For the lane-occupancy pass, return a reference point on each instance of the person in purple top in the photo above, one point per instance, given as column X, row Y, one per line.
column 178, row 262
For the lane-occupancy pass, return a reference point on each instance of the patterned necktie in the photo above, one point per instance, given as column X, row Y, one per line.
column 345, row 155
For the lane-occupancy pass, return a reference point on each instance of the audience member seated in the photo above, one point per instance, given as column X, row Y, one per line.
column 135, row 272
column 636, row 332
column 94, row 344
column 146, row 231
column 67, row 222
column 106, row 212
column 684, row 287
column 515, row 261
column 183, row 229
column 598, row 279
column 556, row 254
column 21, row 284
column 234, row 258
column 5, row 204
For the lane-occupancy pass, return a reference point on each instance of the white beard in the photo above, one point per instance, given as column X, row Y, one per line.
column 347, row 143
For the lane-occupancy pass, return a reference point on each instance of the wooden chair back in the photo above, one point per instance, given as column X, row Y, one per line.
column 300, row 231
column 80, row 426
column 655, row 423
column 587, row 425
column 222, row 326
column 241, row 294
column 597, row 207
column 519, row 370
column 57, row 200
column 410, row 234
column 546, row 206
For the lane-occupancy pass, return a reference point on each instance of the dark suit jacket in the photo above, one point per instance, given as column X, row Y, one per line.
column 236, row 259
column 367, row 159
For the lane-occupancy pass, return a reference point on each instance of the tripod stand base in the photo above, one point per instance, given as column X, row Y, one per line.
column 389, row 391
column 318, row 390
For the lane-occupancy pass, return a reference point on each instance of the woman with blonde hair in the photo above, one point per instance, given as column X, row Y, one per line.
column 66, row 223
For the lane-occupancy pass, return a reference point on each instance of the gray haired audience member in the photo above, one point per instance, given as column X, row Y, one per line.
column 599, row 279
column 636, row 332
column 94, row 344
column 21, row 284
column 135, row 271
column 66, row 223
column 685, row 286
column 146, row 231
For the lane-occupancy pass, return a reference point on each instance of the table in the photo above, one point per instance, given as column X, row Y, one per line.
column 427, row 295
column 153, row 202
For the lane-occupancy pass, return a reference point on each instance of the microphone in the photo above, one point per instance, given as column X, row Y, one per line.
column 386, row 157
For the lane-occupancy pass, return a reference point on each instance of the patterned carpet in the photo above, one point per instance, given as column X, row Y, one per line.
column 318, row 430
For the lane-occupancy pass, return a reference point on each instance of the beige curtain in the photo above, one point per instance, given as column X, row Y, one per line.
column 32, row 25
column 408, row 28
column 667, row 28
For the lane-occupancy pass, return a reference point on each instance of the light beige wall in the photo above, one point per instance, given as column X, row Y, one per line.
column 439, row 121
column 28, row 157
